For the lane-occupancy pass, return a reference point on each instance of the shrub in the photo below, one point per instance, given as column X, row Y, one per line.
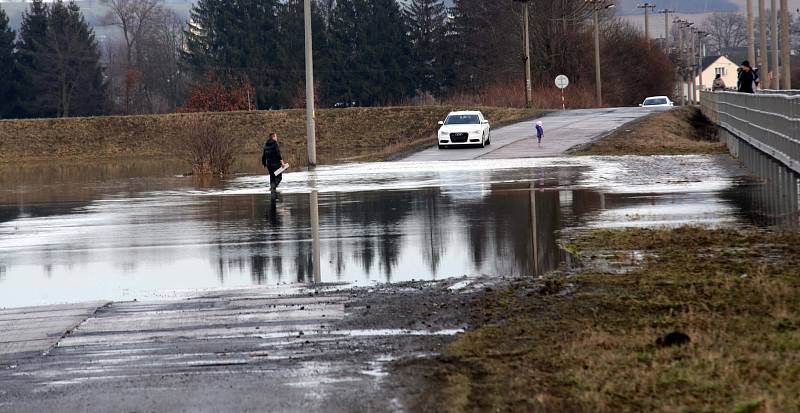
column 208, row 149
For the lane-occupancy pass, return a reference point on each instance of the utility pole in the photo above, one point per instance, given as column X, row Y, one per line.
column 666, row 13
column 681, row 76
column 597, row 6
column 785, row 48
column 646, row 7
column 684, row 60
column 526, row 52
column 751, row 37
column 701, row 56
column 773, row 34
column 763, row 61
column 311, row 131
column 691, row 67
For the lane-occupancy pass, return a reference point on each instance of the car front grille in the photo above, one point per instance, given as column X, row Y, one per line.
column 459, row 137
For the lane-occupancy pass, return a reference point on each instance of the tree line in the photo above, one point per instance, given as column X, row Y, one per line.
column 52, row 68
column 240, row 54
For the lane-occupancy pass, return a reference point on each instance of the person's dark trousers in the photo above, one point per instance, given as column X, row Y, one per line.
column 274, row 180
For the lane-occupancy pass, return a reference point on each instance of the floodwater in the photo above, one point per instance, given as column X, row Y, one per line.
column 140, row 230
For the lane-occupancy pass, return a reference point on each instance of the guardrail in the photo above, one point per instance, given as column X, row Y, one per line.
column 768, row 121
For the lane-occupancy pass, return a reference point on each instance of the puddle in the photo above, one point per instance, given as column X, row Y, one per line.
column 74, row 234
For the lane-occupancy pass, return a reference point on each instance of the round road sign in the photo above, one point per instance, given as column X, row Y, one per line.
column 562, row 81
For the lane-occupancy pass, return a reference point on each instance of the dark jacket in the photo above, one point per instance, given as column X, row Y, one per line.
column 271, row 156
column 746, row 81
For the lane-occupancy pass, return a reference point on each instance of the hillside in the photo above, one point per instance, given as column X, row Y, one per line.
column 343, row 134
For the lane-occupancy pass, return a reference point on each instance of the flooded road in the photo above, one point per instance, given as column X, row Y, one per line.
column 75, row 233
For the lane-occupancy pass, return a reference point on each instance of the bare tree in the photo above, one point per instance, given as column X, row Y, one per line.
column 726, row 30
column 133, row 18
column 162, row 82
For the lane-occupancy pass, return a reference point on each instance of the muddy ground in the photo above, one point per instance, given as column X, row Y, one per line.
column 667, row 320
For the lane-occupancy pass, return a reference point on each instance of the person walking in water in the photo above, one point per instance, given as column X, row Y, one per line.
column 539, row 131
column 271, row 159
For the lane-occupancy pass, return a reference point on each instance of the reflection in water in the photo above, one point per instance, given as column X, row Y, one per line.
column 125, row 238
column 774, row 201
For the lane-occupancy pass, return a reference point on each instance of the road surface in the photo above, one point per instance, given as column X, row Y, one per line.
column 563, row 130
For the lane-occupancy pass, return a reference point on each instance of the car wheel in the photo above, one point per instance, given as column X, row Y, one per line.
column 441, row 146
column 489, row 140
column 483, row 141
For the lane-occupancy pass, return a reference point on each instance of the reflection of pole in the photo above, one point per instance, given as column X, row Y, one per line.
column 314, row 198
column 311, row 133
column 534, row 232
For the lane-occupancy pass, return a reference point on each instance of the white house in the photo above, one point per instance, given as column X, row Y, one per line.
column 714, row 65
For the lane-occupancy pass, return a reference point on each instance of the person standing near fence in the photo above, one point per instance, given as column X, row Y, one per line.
column 747, row 78
column 272, row 159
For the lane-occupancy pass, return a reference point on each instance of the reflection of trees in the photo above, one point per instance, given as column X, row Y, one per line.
column 502, row 223
column 430, row 207
column 337, row 254
column 382, row 215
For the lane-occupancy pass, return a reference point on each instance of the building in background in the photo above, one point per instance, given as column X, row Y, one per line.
column 717, row 65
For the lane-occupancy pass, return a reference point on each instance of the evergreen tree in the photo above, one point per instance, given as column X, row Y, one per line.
column 371, row 53
column 291, row 53
column 428, row 27
column 32, row 38
column 67, row 66
column 8, row 72
column 484, row 38
column 235, row 39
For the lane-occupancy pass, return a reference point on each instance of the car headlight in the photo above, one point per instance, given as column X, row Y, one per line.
column 477, row 131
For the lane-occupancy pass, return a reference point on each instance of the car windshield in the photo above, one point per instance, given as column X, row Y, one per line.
column 655, row 101
column 462, row 120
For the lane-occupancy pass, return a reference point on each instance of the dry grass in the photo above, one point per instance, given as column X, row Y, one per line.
column 679, row 132
column 735, row 293
column 357, row 133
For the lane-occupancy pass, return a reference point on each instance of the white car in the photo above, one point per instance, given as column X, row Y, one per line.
column 657, row 102
column 464, row 128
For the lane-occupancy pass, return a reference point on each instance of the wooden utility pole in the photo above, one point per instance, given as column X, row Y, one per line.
column 763, row 61
column 647, row 7
column 526, row 51
column 311, row 130
column 773, row 34
column 785, row 46
column 751, row 36
column 666, row 13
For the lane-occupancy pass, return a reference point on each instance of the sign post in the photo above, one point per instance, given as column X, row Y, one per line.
column 562, row 82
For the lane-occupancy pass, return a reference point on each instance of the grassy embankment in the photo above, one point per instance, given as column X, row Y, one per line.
column 359, row 134
column 682, row 131
column 736, row 294
column 588, row 341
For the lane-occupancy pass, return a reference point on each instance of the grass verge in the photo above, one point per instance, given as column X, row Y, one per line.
column 342, row 134
column 681, row 131
column 734, row 293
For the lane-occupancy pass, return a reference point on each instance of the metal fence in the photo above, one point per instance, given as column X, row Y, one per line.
column 768, row 121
